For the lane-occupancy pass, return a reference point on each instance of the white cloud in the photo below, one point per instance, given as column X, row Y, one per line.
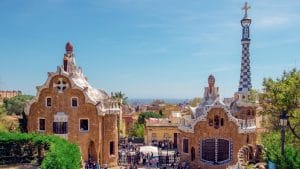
column 273, row 21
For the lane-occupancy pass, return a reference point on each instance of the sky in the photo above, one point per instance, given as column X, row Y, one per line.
column 147, row 48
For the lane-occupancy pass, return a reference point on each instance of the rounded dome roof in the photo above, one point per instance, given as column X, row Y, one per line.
column 69, row 47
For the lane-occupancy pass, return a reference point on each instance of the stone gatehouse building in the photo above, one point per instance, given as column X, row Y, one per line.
column 66, row 105
column 213, row 136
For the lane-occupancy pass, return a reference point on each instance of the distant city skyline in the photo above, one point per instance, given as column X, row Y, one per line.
column 147, row 49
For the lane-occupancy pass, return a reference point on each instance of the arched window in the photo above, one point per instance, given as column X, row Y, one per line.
column 48, row 102
column 216, row 121
column 192, row 154
column 222, row 121
column 216, row 151
column 111, row 148
column 185, row 145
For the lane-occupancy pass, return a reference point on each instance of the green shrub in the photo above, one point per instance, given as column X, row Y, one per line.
column 272, row 144
column 58, row 152
column 146, row 115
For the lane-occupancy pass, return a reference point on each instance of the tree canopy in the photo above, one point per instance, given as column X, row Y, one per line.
column 15, row 105
column 146, row 115
column 138, row 130
column 139, row 126
column 120, row 97
column 283, row 94
column 272, row 143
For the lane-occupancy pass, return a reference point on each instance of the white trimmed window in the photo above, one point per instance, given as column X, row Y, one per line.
column 60, row 123
column 84, row 125
column 74, row 102
column 48, row 102
column 42, row 124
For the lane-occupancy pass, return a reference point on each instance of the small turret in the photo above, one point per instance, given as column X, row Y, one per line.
column 69, row 48
column 69, row 60
column 211, row 92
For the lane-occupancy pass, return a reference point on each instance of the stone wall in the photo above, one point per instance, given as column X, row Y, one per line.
column 160, row 132
column 110, row 134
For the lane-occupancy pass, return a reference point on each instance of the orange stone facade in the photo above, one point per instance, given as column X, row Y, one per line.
column 69, row 107
column 161, row 131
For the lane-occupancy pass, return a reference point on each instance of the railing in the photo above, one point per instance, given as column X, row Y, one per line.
column 186, row 122
column 247, row 124
column 136, row 158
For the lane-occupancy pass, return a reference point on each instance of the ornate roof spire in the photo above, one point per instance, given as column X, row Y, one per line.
column 245, row 76
column 211, row 92
column 69, row 60
column 69, row 48
column 246, row 8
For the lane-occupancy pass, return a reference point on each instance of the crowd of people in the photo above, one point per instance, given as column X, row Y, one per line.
column 131, row 157
column 91, row 165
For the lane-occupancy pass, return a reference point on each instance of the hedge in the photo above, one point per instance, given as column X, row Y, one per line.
column 50, row 152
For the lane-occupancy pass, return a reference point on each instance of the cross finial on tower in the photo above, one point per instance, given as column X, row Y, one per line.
column 246, row 8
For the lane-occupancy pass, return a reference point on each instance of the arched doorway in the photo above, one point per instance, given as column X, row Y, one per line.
column 193, row 154
column 92, row 155
column 216, row 151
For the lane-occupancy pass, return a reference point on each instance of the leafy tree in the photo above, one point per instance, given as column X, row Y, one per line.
column 120, row 97
column 3, row 128
column 195, row 101
column 272, row 144
column 146, row 115
column 138, row 130
column 16, row 104
column 7, row 123
column 283, row 94
column 2, row 110
column 253, row 96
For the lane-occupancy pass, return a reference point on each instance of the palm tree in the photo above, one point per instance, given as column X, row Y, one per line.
column 120, row 97
column 122, row 100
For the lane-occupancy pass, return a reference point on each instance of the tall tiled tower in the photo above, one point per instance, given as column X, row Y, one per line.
column 245, row 76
